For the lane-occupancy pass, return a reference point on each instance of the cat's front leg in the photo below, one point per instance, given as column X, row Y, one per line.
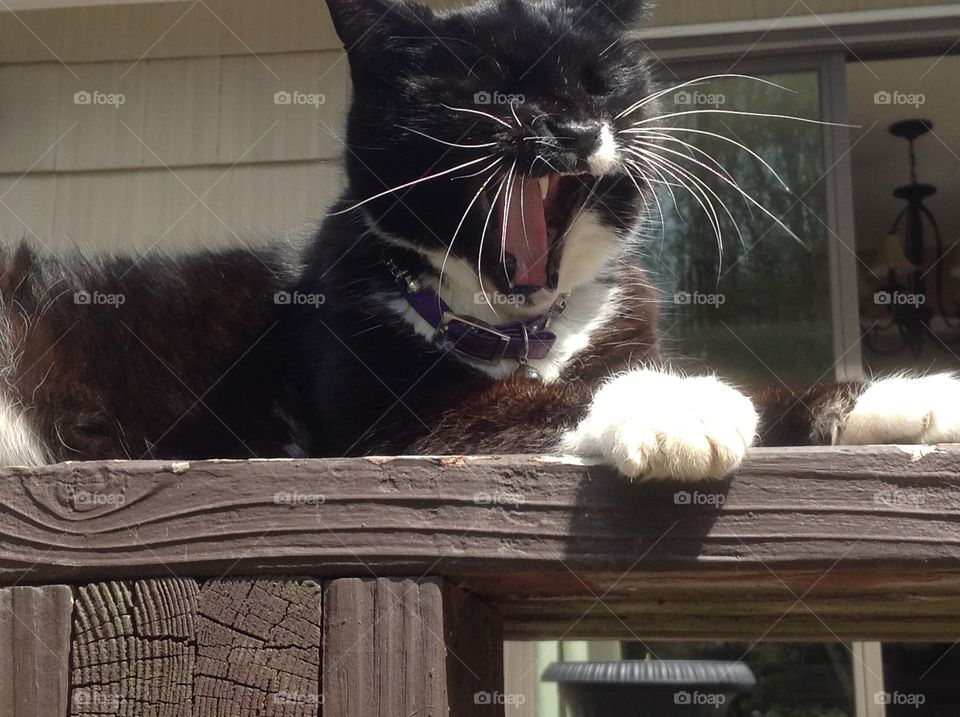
column 652, row 424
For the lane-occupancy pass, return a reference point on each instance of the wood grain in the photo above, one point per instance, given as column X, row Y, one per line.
column 258, row 649
column 172, row 648
column 34, row 650
column 397, row 647
column 872, row 533
column 133, row 649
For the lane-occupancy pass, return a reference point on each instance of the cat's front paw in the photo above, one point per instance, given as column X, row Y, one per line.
column 902, row 409
column 650, row 424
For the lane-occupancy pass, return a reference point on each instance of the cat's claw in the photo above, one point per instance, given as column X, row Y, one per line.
column 904, row 409
column 651, row 424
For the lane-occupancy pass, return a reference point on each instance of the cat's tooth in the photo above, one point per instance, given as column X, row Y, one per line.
column 544, row 186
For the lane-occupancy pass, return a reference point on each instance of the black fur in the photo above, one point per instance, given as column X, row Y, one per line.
column 203, row 361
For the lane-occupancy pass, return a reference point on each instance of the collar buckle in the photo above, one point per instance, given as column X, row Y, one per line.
column 480, row 327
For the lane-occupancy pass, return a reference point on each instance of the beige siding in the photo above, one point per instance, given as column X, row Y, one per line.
column 101, row 136
column 198, row 152
column 683, row 12
column 168, row 211
column 180, row 29
column 253, row 127
column 30, row 108
column 182, row 103
column 27, row 207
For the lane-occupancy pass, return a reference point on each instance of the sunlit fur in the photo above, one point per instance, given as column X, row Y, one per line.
column 204, row 361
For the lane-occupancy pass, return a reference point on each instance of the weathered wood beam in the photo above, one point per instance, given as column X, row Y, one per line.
column 867, row 538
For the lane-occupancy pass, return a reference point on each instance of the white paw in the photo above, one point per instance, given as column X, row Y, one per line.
column 906, row 410
column 656, row 425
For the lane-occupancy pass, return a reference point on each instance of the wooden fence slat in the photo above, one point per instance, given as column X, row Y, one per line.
column 35, row 650
column 258, row 648
column 133, row 649
column 474, row 636
column 398, row 647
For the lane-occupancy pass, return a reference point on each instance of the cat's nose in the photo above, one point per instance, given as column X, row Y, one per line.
column 581, row 138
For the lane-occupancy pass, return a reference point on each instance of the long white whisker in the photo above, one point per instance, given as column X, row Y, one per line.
column 740, row 113
column 443, row 141
column 649, row 182
column 692, row 187
column 478, row 112
column 691, row 149
column 547, row 162
column 583, row 206
column 409, row 184
column 735, row 143
column 513, row 111
column 483, row 235
column 697, row 180
column 698, row 81
column 523, row 212
column 669, row 186
column 456, row 232
column 736, row 187
column 511, row 176
column 476, row 174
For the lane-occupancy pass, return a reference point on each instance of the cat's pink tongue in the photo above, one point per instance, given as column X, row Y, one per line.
column 526, row 235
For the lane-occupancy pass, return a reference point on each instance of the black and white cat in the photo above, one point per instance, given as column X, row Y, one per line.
column 472, row 291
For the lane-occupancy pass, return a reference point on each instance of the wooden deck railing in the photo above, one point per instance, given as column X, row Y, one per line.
column 386, row 586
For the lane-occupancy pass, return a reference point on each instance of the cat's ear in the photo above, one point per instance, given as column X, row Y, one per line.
column 622, row 12
column 363, row 25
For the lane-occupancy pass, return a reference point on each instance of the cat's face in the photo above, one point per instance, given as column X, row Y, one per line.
column 512, row 108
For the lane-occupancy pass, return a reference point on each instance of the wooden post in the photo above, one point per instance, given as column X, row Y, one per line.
column 399, row 647
column 34, row 651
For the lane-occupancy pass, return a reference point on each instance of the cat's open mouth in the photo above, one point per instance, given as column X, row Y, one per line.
column 533, row 219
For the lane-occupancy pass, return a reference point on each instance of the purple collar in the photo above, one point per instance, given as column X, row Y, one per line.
column 517, row 341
